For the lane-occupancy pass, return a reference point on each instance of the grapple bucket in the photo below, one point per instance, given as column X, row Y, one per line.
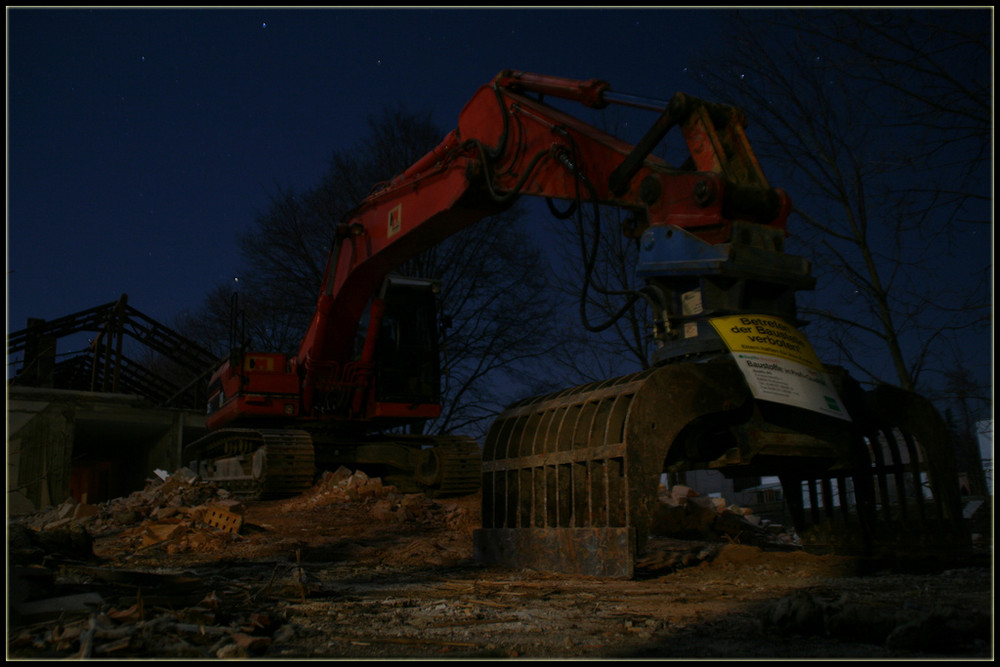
column 570, row 479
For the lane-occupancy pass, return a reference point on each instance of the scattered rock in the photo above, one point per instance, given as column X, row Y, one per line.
column 799, row 613
column 682, row 512
column 897, row 628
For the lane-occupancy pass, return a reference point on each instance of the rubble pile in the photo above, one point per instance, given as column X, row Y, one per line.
column 683, row 512
column 161, row 497
column 418, row 508
column 72, row 594
column 66, row 600
column 341, row 486
column 382, row 502
column 178, row 512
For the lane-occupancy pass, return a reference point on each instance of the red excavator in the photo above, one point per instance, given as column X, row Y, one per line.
column 569, row 480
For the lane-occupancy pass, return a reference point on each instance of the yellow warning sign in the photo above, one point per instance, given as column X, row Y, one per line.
column 259, row 363
column 395, row 221
column 761, row 334
column 779, row 364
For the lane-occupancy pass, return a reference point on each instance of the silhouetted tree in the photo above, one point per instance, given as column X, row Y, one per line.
column 624, row 346
column 877, row 123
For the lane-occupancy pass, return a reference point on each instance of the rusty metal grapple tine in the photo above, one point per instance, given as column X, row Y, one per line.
column 901, row 492
column 569, row 478
column 928, row 448
column 917, row 417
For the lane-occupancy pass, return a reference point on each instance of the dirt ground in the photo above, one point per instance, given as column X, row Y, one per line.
column 386, row 576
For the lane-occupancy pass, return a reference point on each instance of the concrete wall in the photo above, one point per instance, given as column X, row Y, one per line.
column 39, row 451
column 94, row 445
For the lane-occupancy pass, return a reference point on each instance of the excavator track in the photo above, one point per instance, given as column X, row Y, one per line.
column 256, row 463
column 570, row 479
column 450, row 467
column 437, row 466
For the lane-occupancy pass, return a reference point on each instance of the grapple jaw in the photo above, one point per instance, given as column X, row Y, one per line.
column 900, row 493
column 570, row 479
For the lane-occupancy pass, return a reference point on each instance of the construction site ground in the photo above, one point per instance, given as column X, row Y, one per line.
column 354, row 570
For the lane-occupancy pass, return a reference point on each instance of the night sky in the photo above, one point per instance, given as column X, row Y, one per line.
column 142, row 143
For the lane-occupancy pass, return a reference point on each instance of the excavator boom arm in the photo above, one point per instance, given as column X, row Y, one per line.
column 508, row 145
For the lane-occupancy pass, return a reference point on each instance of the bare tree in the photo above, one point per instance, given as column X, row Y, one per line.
column 964, row 424
column 878, row 134
column 607, row 334
column 495, row 292
column 934, row 66
column 493, row 279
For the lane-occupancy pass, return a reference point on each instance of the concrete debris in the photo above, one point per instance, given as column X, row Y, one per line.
column 31, row 545
column 382, row 502
column 341, row 486
column 664, row 557
column 225, row 515
column 904, row 627
column 51, row 550
column 179, row 512
column 683, row 513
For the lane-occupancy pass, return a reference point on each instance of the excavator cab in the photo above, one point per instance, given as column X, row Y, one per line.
column 406, row 354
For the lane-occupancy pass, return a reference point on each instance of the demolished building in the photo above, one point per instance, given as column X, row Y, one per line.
column 91, row 424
